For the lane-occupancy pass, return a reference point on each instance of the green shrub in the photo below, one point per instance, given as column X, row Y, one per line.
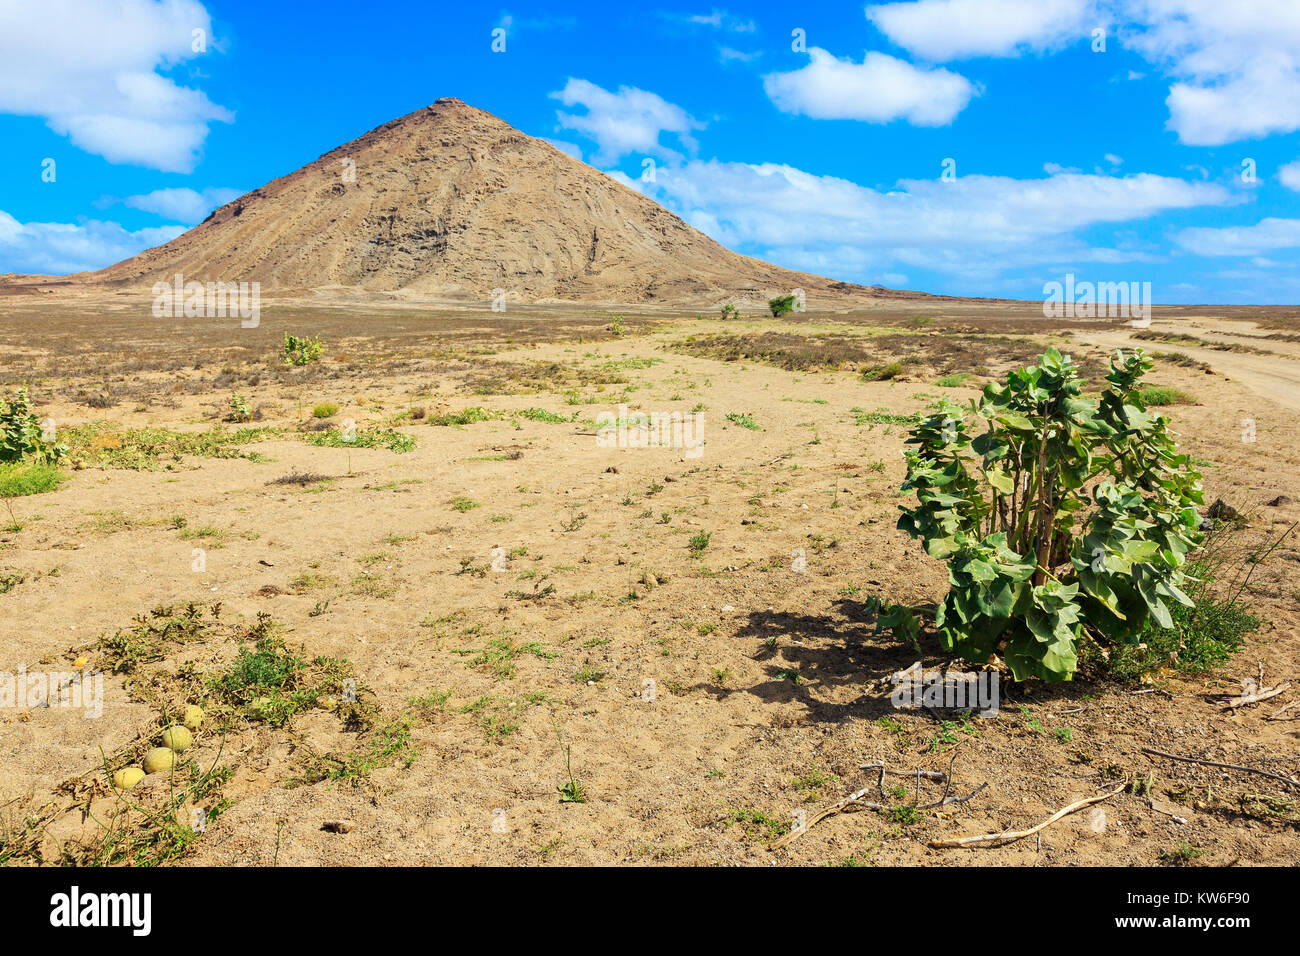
column 1062, row 514
column 324, row 410
column 301, row 351
column 239, row 410
column 729, row 311
column 883, row 373
column 781, row 305
column 21, row 434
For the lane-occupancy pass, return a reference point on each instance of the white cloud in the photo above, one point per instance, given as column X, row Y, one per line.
column 973, row 225
column 877, row 90
column 941, row 30
column 90, row 68
column 626, row 122
column 1237, row 64
column 1265, row 236
column 719, row 20
column 181, row 204
column 57, row 248
column 1290, row 175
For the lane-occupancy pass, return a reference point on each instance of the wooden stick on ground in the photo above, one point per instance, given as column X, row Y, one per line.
column 1225, row 766
column 1010, row 836
column 853, row 799
column 1277, row 714
column 1256, row 696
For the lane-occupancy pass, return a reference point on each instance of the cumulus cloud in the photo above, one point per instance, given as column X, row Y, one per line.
column 1265, row 236
column 941, row 30
column 973, row 225
column 627, row 122
column 182, row 204
column 879, row 89
column 1290, row 175
column 91, row 69
column 58, row 248
column 1236, row 65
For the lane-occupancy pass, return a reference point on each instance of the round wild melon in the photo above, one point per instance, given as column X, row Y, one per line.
column 176, row 737
column 127, row 777
column 193, row 718
column 160, row 758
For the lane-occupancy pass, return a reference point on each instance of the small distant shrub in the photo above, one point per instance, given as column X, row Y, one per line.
column 729, row 311
column 882, row 373
column 324, row 410
column 956, row 380
column 467, row 416
column 239, row 410
column 301, row 351
column 781, row 305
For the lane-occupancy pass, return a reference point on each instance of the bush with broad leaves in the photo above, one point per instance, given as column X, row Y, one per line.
column 1055, row 514
column 23, row 437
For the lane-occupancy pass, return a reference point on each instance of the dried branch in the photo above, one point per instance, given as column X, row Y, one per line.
column 1010, row 836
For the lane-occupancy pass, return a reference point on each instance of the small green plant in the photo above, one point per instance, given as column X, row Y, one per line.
column 571, row 792
column 1181, row 854
column 239, row 410
column 324, row 410
column 700, row 541
column 729, row 311
column 269, row 683
column 744, row 421
column 301, row 351
column 616, row 325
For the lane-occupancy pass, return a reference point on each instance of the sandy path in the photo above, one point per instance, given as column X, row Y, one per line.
column 1274, row 377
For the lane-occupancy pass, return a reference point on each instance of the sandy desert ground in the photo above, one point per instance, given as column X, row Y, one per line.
column 500, row 592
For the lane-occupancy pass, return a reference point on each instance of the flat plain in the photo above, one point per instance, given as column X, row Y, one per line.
column 568, row 653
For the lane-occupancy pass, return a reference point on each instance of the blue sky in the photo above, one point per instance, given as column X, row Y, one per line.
column 1119, row 140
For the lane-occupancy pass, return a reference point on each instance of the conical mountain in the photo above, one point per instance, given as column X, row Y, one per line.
column 450, row 201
